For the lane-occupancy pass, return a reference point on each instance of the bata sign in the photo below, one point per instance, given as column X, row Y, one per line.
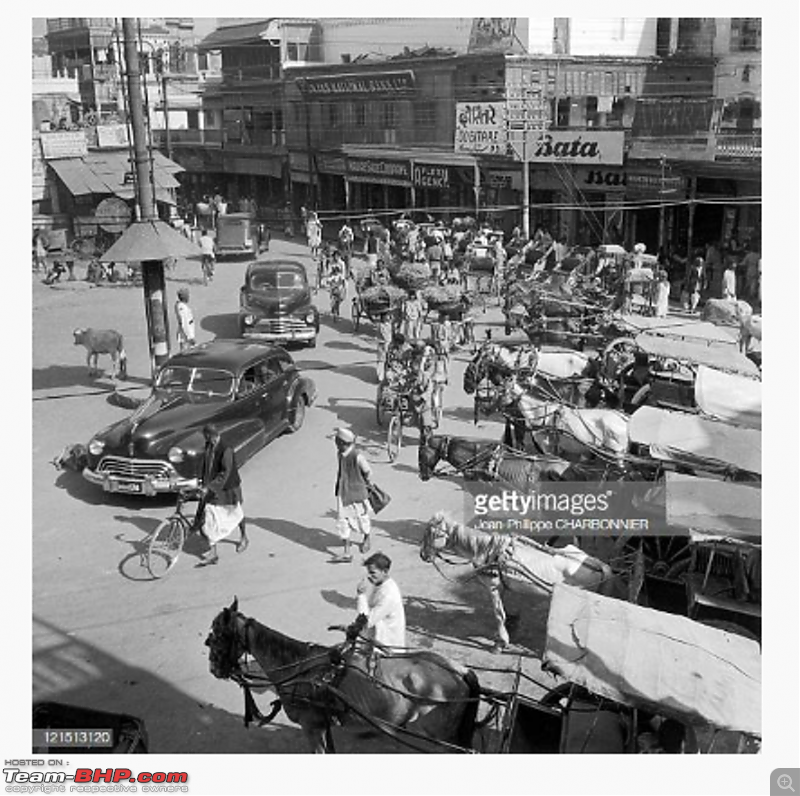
column 481, row 127
column 585, row 147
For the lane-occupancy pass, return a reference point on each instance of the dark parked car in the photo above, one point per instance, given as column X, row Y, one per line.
column 275, row 303
column 252, row 391
column 239, row 233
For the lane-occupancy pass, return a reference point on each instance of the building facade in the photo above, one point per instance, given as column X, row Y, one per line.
column 620, row 130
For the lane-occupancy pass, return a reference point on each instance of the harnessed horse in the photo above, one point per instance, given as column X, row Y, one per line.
column 414, row 693
column 579, row 429
column 500, row 559
column 493, row 461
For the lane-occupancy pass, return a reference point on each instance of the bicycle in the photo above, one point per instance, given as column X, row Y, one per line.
column 208, row 268
column 167, row 541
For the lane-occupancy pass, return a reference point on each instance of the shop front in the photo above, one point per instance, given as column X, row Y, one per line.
column 376, row 184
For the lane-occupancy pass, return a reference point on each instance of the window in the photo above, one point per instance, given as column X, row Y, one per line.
column 745, row 34
column 333, row 114
column 248, row 382
column 591, row 112
column 560, row 111
column 663, row 36
column 360, row 109
column 425, row 114
column 389, row 116
column 208, row 119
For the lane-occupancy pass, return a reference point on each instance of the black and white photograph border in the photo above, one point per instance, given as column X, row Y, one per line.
column 252, row 465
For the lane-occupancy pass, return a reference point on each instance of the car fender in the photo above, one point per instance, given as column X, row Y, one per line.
column 302, row 386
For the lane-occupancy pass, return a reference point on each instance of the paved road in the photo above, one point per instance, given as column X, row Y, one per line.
column 107, row 637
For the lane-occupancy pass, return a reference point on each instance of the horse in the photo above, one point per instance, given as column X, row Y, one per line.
column 578, row 429
column 416, row 691
column 501, row 558
column 493, row 461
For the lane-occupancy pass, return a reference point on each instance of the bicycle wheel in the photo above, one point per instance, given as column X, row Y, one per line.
column 394, row 437
column 355, row 311
column 165, row 545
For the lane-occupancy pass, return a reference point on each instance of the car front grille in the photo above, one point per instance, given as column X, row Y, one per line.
column 280, row 325
column 135, row 469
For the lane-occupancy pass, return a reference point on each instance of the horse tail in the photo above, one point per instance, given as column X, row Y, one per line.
column 466, row 727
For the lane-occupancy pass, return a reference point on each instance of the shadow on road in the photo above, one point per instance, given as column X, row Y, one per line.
column 362, row 372
column 72, row 672
column 408, row 531
column 79, row 488
column 339, row 600
column 65, row 376
column 342, row 345
column 222, row 326
column 312, row 538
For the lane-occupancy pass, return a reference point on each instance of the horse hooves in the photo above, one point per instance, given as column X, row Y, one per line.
column 499, row 647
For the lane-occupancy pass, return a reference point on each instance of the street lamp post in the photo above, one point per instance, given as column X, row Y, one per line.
column 152, row 270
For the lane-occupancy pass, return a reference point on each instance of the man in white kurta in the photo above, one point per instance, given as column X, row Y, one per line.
column 380, row 601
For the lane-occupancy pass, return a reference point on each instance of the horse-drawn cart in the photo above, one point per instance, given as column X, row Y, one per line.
column 375, row 302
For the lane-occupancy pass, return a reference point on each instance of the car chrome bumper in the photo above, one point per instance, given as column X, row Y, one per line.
column 281, row 337
column 138, row 486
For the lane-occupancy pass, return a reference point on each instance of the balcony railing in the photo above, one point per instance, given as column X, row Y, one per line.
column 199, row 137
column 738, row 146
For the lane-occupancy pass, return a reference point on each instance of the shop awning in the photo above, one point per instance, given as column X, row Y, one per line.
column 104, row 173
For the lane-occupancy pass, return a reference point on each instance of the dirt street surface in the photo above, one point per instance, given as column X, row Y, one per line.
column 107, row 636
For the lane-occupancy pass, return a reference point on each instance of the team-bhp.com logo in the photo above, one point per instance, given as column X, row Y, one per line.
column 95, row 780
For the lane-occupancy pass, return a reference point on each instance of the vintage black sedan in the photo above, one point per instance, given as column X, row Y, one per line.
column 251, row 390
column 275, row 304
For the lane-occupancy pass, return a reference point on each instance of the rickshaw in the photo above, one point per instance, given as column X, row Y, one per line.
column 633, row 681
column 688, row 366
column 718, row 579
column 637, row 291
column 394, row 404
column 373, row 302
column 649, row 667
column 692, row 443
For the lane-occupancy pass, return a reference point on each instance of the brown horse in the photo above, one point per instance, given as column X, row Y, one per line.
column 409, row 695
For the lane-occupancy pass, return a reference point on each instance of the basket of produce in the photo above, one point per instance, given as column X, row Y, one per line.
column 381, row 298
column 481, row 263
column 444, row 298
column 412, row 276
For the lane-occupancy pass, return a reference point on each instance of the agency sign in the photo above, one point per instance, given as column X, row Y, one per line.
column 481, row 128
column 583, row 148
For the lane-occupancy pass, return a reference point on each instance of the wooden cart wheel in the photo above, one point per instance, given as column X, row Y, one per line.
column 355, row 313
column 394, row 437
column 380, row 408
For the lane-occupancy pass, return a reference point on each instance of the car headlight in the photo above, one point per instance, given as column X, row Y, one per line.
column 249, row 319
column 96, row 447
column 175, row 455
column 311, row 317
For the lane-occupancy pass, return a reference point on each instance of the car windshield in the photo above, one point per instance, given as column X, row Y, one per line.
column 208, row 382
column 277, row 280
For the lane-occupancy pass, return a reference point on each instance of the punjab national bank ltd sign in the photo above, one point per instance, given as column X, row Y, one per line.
column 582, row 147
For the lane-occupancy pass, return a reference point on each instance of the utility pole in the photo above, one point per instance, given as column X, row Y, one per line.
column 162, row 74
column 152, row 270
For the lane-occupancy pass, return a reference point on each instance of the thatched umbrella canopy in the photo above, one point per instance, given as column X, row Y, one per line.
column 150, row 240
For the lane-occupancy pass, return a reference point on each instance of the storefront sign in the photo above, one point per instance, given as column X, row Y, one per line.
column 112, row 135
column 375, row 83
column 655, row 184
column 265, row 166
column 66, row 144
column 425, row 176
column 38, row 182
column 499, row 180
column 605, row 180
column 379, row 170
column 481, row 128
column 584, row 147
column 331, row 164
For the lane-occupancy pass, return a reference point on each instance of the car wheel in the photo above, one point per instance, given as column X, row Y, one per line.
column 299, row 414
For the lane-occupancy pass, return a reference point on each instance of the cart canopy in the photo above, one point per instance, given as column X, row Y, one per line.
column 713, row 508
column 653, row 660
column 728, row 397
column 696, row 351
column 693, row 440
